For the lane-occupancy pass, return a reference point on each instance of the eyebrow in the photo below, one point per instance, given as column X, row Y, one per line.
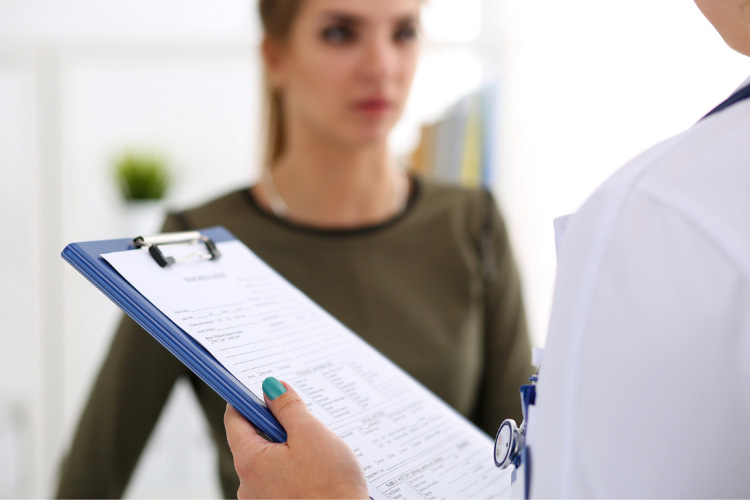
column 342, row 18
column 353, row 20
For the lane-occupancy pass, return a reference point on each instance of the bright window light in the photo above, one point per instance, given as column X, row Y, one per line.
column 453, row 21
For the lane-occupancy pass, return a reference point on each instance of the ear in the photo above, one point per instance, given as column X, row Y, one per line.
column 273, row 59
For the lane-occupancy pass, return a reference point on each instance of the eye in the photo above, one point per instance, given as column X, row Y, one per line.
column 338, row 34
column 405, row 34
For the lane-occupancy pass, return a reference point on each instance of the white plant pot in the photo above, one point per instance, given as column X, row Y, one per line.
column 142, row 217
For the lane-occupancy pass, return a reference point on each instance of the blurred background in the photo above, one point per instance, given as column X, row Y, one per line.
column 570, row 91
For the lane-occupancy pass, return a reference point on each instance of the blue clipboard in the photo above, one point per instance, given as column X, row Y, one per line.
column 85, row 258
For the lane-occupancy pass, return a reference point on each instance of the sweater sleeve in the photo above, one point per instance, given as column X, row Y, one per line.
column 131, row 389
column 507, row 348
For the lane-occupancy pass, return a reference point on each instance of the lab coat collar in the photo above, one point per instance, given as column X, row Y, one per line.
column 742, row 93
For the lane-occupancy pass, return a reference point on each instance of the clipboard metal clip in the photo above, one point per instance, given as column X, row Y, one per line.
column 182, row 238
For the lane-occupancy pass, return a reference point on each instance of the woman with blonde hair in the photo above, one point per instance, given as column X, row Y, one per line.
column 423, row 272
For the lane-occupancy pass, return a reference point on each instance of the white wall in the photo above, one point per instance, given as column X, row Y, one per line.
column 586, row 84
column 19, row 273
column 80, row 81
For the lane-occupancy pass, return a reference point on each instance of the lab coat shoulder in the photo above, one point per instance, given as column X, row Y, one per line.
column 707, row 180
column 703, row 172
column 652, row 289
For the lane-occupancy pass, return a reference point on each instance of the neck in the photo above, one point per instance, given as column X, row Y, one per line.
column 326, row 186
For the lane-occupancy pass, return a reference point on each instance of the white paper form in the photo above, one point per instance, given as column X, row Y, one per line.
column 410, row 443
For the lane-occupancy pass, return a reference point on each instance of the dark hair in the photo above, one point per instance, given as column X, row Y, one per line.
column 277, row 18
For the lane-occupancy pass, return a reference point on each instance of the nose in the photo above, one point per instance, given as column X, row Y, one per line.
column 380, row 59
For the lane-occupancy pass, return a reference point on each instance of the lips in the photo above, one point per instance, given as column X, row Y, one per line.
column 374, row 105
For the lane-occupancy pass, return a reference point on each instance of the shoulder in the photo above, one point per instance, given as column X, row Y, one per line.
column 441, row 194
column 472, row 207
column 229, row 201
column 705, row 178
column 222, row 210
column 699, row 179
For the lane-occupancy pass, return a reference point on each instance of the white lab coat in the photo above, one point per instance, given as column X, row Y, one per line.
column 644, row 390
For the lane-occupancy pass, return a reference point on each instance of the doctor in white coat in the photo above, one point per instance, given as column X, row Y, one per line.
column 644, row 389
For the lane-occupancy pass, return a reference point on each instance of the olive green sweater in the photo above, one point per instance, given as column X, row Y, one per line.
column 435, row 289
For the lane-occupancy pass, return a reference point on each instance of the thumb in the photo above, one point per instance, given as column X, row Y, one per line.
column 287, row 406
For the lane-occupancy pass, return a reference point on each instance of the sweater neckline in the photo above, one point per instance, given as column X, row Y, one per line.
column 415, row 189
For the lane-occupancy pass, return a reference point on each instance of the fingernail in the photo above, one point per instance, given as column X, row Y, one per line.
column 273, row 388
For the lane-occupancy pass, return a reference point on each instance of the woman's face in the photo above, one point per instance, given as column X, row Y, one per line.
column 346, row 69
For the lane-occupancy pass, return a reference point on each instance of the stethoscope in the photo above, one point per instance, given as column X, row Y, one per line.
column 510, row 441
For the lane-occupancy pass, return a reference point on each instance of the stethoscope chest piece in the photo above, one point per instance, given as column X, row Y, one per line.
column 507, row 444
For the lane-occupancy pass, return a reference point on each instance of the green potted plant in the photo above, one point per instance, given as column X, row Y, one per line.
column 143, row 180
column 142, row 176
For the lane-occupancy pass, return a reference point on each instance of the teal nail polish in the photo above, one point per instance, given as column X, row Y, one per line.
column 273, row 388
